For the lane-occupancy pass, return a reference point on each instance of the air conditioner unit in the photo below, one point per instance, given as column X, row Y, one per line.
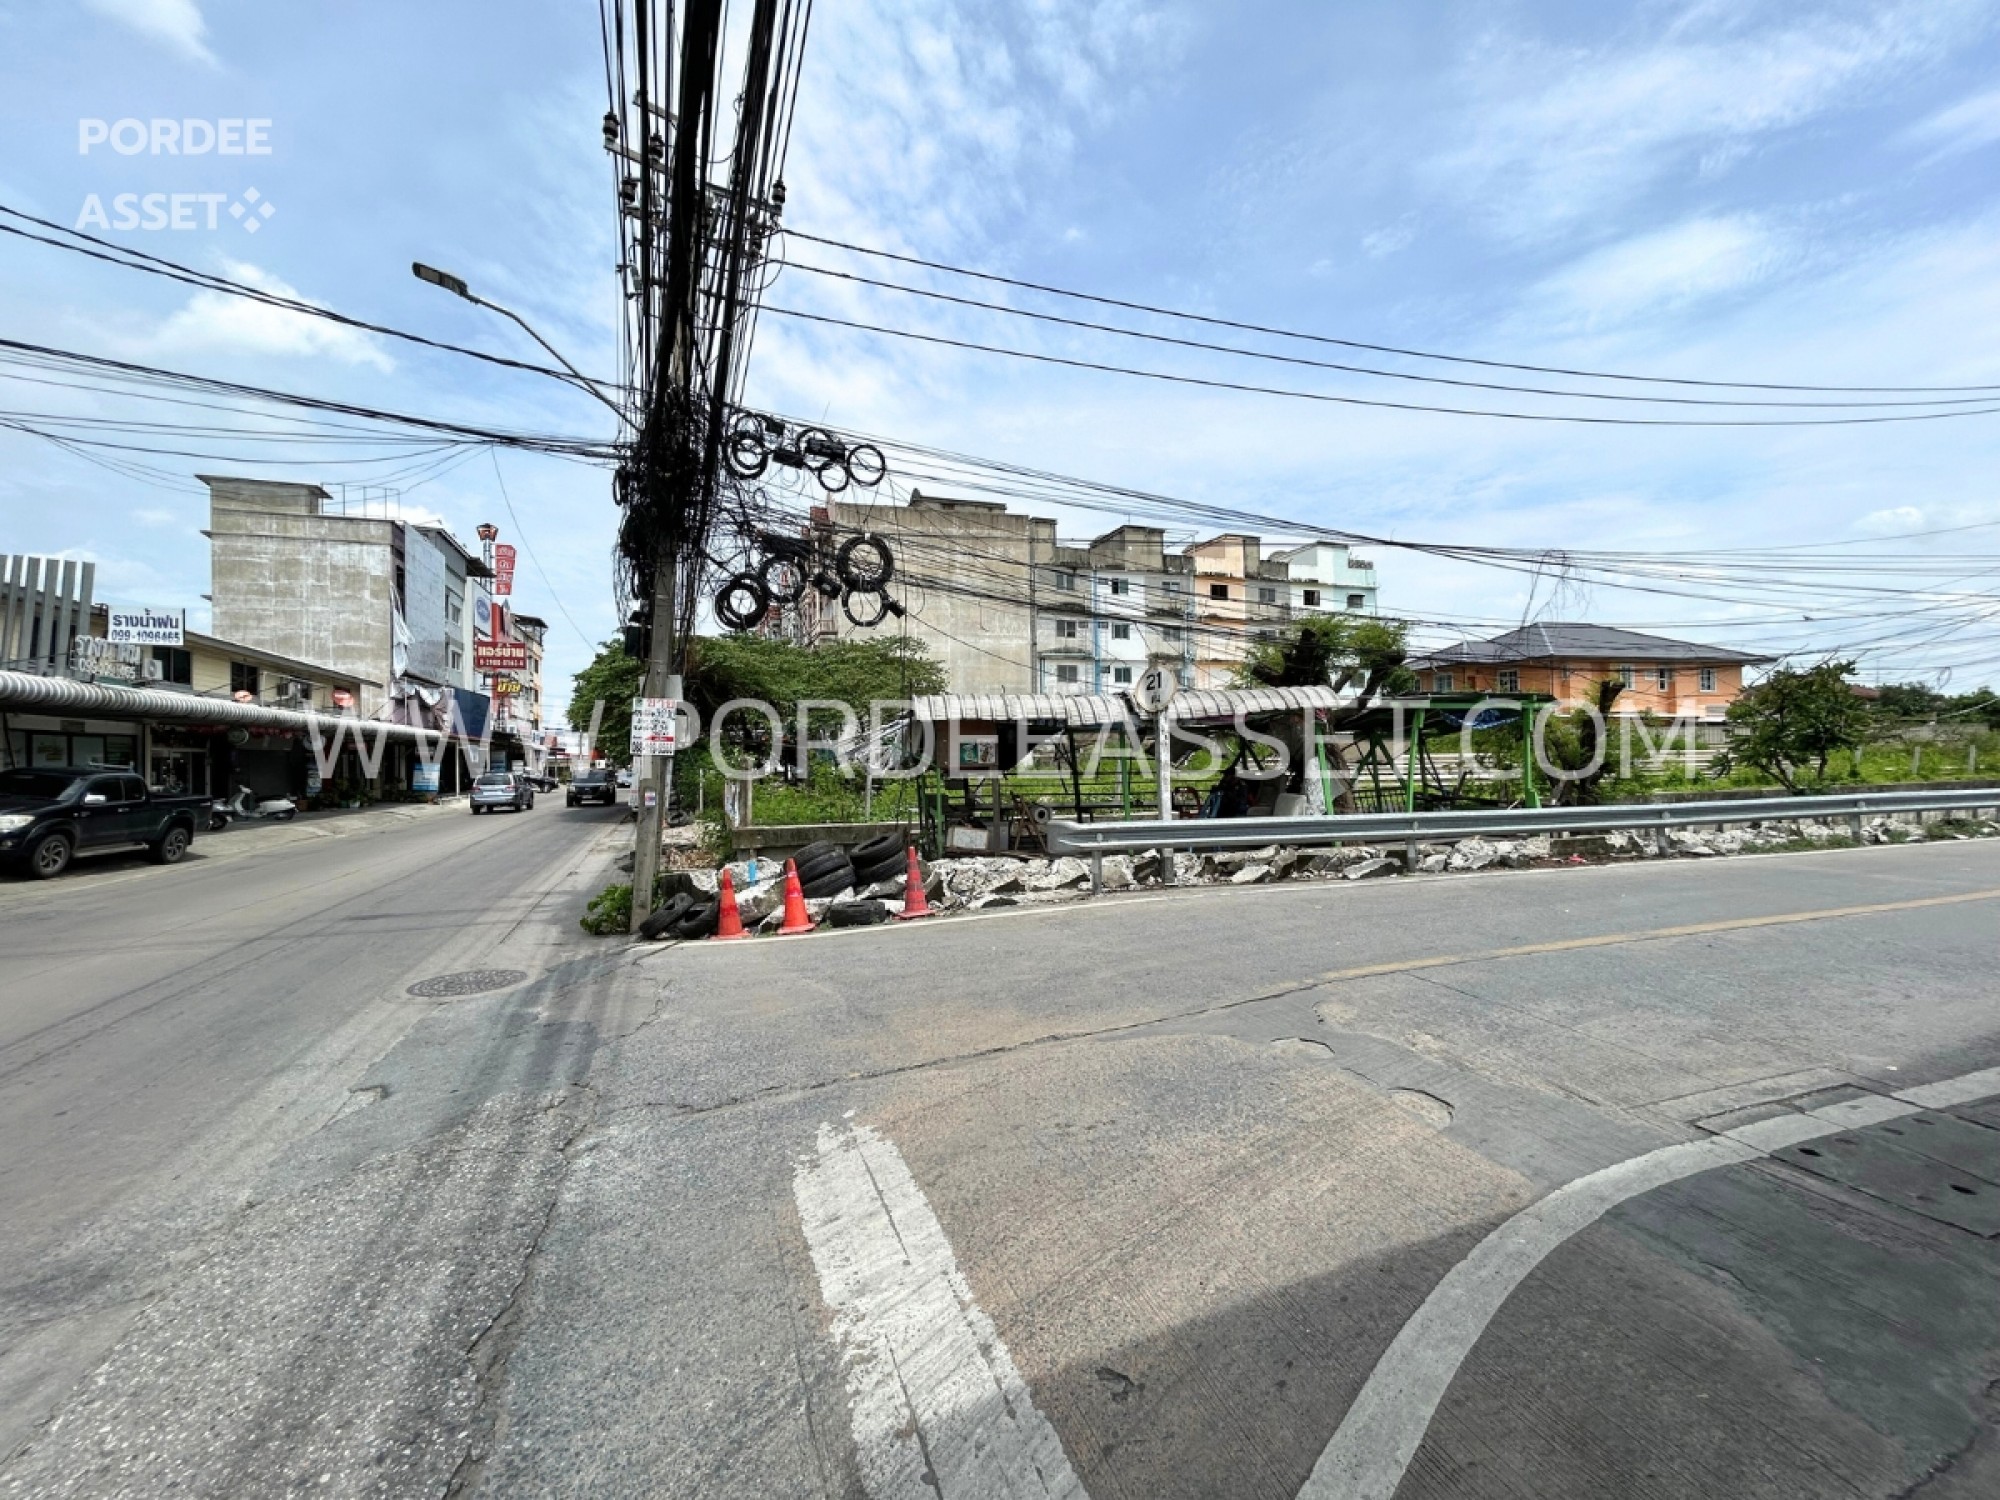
column 151, row 671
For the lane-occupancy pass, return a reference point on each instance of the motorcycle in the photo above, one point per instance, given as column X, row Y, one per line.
column 247, row 804
column 220, row 815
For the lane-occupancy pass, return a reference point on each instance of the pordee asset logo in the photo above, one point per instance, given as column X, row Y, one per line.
column 175, row 211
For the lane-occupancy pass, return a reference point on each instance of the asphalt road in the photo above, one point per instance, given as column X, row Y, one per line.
column 1675, row 1180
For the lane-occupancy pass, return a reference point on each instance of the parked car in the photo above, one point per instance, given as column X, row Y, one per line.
column 594, row 785
column 50, row 815
column 502, row 789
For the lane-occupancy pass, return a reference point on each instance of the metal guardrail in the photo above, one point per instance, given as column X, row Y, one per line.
column 1099, row 839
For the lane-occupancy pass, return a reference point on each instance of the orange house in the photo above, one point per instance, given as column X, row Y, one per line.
column 1661, row 676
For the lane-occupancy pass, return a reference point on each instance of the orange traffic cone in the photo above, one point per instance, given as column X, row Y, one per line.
column 728, row 921
column 914, row 903
column 796, row 919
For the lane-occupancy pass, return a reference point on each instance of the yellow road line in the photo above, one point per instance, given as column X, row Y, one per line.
column 1691, row 929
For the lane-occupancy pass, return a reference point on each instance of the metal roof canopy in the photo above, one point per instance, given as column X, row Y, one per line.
column 25, row 692
column 1095, row 710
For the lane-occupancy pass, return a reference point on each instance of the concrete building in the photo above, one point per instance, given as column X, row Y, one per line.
column 1326, row 578
column 1240, row 597
column 1110, row 609
column 970, row 573
column 353, row 587
column 1009, row 608
column 520, row 709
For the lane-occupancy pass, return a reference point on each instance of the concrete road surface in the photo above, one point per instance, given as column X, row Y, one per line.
column 1675, row 1179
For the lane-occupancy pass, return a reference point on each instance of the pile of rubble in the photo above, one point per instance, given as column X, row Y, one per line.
column 980, row 883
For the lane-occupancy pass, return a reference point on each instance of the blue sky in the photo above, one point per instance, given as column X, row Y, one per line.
column 1785, row 191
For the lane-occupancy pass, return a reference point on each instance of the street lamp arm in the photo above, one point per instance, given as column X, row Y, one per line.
column 457, row 287
column 582, row 380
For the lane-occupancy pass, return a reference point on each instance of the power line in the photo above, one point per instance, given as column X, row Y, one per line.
column 1352, row 369
column 1339, row 400
column 1344, row 343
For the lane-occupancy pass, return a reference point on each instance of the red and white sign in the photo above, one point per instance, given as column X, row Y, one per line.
column 499, row 656
column 503, row 571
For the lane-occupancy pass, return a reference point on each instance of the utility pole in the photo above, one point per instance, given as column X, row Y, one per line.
column 691, row 292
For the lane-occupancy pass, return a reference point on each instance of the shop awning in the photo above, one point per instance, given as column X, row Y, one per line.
column 25, row 692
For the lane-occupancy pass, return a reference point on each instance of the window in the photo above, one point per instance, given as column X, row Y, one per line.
column 1121, row 674
column 1357, row 601
column 1170, row 585
column 454, row 608
column 1441, row 682
column 1066, row 582
column 457, row 658
column 1121, row 631
column 1267, row 595
column 176, row 665
column 243, row 678
column 1625, row 674
column 1510, row 680
column 1663, row 679
column 1218, row 591
column 1120, row 587
column 1708, row 679
column 1312, row 598
column 1066, row 673
column 1171, row 633
column 1065, row 630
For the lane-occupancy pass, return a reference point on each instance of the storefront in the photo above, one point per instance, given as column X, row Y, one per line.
column 198, row 745
column 39, row 740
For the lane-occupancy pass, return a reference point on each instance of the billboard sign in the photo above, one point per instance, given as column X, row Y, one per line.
column 503, row 570
column 104, row 658
column 499, row 656
column 148, row 627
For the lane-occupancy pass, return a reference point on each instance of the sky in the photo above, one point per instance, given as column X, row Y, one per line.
column 1748, row 191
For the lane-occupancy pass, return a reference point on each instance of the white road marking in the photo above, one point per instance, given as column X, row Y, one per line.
column 1382, row 1429
column 938, row 1410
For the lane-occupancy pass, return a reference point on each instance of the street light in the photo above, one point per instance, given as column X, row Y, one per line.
column 456, row 285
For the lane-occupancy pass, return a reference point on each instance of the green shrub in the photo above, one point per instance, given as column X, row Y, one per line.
column 610, row 911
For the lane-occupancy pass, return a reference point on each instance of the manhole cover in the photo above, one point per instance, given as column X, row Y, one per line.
column 471, row 982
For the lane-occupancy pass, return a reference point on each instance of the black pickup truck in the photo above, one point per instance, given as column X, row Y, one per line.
column 49, row 816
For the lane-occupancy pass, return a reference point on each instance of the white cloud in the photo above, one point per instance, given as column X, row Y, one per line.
column 1563, row 133
column 177, row 23
column 1897, row 518
column 1965, row 126
column 219, row 321
column 1386, row 241
column 1665, row 270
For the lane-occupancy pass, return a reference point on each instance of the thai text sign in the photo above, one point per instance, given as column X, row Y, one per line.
column 499, row 656
column 148, row 627
column 653, row 725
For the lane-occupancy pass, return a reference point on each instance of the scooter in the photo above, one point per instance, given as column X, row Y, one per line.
column 220, row 815
column 248, row 805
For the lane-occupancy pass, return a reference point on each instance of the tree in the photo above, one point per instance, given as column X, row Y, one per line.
column 1572, row 743
column 614, row 680
column 762, row 669
column 1796, row 720
column 1330, row 649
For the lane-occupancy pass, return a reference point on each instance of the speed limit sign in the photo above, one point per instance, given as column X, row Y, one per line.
column 1154, row 690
